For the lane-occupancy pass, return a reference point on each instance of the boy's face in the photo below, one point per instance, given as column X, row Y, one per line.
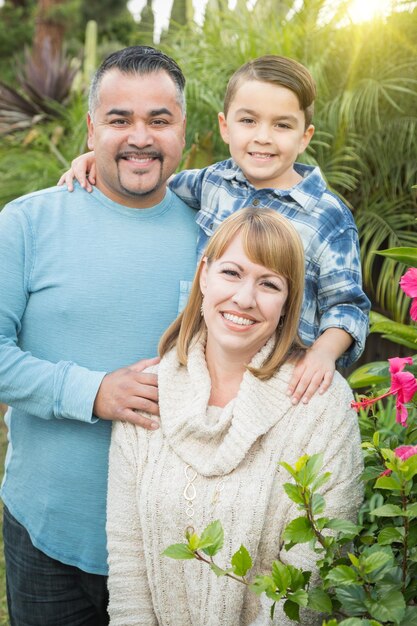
column 265, row 130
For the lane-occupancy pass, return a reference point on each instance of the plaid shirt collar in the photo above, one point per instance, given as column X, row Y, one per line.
column 307, row 193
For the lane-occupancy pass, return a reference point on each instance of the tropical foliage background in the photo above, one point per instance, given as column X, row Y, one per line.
column 366, row 121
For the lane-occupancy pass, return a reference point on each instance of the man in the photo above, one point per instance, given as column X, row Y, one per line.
column 88, row 283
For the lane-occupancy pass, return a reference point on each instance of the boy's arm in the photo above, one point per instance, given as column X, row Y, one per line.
column 83, row 169
column 316, row 369
column 343, row 308
column 188, row 185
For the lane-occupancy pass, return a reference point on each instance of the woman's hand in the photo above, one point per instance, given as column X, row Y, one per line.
column 83, row 169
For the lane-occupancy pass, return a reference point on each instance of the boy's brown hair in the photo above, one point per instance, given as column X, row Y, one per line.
column 280, row 71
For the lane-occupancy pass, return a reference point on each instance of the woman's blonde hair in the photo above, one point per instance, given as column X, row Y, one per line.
column 269, row 240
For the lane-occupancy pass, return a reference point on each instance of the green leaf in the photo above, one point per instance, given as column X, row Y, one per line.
column 318, row 504
column 321, row 480
column 374, row 561
column 298, row 577
column 213, row 538
column 193, row 542
column 262, row 584
column 343, row 526
column 281, row 575
column 387, row 510
column 342, row 575
column 390, row 535
column 410, row 616
column 388, row 482
column 218, row 570
column 352, row 598
column 370, row 374
column 300, row 597
column 289, row 469
column 412, row 510
column 293, row 492
column 389, row 607
column 179, row 551
column 311, row 470
column 320, row 601
column 408, row 256
column 241, row 562
column 299, row 531
column 292, row 610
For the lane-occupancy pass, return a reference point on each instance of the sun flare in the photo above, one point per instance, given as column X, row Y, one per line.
column 365, row 10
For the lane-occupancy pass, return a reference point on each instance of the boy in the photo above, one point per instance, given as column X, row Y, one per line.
column 266, row 122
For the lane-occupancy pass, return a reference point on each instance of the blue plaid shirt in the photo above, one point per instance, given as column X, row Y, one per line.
column 333, row 296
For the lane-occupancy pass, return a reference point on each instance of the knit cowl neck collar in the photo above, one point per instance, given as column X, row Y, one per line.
column 217, row 448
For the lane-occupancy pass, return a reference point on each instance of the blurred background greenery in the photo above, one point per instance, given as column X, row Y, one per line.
column 362, row 54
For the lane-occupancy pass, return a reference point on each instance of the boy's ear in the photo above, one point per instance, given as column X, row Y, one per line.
column 90, row 127
column 224, row 132
column 307, row 136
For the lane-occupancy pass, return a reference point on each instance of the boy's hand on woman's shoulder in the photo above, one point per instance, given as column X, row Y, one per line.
column 313, row 372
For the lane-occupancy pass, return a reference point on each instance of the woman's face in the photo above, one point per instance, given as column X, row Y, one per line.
column 242, row 305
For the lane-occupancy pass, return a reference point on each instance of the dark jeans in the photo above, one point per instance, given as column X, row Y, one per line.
column 44, row 592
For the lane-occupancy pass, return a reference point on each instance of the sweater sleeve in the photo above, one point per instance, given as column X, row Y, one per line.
column 37, row 386
column 130, row 597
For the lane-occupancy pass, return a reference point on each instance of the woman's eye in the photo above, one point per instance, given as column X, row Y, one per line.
column 230, row 272
column 270, row 285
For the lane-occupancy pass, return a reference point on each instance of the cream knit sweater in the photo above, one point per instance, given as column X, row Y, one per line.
column 234, row 452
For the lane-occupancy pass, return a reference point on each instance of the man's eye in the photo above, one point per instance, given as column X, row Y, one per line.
column 159, row 122
column 118, row 122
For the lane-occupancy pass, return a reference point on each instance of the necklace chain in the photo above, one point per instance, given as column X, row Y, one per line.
column 190, row 492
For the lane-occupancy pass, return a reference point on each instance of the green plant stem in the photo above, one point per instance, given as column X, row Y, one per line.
column 200, row 557
column 404, row 501
column 310, row 517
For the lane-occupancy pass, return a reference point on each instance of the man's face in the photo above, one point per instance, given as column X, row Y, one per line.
column 137, row 132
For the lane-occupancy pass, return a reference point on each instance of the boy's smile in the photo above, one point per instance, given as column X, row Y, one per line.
column 265, row 130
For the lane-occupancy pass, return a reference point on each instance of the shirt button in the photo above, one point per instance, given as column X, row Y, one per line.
column 255, row 202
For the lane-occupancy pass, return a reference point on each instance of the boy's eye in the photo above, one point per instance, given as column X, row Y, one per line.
column 247, row 120
column 283, row 125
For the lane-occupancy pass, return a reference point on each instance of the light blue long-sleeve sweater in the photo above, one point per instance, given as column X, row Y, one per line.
column 86, row 286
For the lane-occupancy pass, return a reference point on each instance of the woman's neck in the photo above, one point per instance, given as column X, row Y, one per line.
column 226, row 373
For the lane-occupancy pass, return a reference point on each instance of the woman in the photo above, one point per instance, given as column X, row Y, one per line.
column 225, row 423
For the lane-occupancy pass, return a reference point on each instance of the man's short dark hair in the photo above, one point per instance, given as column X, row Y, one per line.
column 138, row 60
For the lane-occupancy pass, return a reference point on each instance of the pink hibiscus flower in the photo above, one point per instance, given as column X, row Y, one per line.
column 403, row 453
column 403, row 385
column 408, row 284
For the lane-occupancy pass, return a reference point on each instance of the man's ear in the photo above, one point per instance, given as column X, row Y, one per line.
column 203, row 275
column 224, row 131
column 90, row 127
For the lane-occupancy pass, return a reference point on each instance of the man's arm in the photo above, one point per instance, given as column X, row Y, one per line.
column 63, row 389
